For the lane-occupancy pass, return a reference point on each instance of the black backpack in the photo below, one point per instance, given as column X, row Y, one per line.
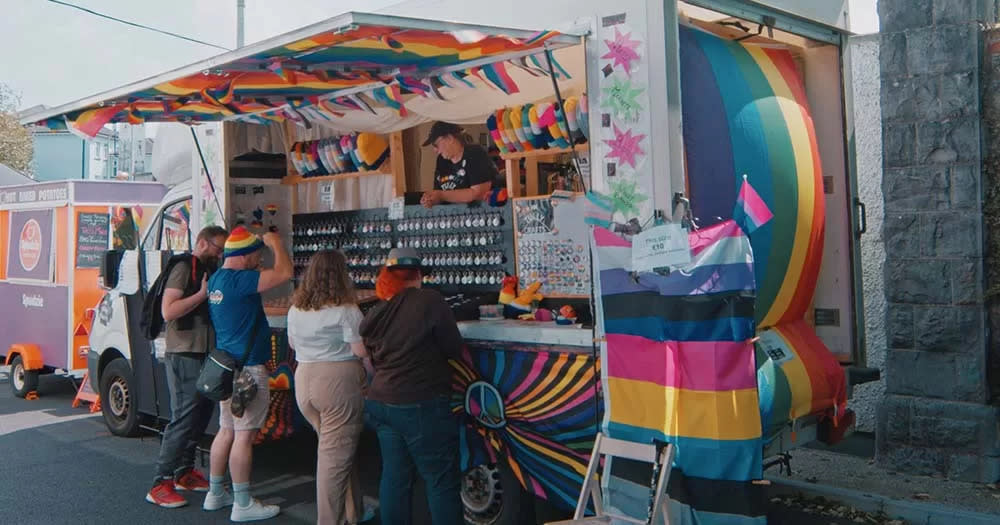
column 151, row 323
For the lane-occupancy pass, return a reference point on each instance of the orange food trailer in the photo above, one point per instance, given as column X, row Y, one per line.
column 53, row 236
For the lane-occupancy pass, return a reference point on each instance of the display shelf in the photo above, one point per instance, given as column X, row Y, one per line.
column 296, row 178
column 531, row 159
column 543, row 152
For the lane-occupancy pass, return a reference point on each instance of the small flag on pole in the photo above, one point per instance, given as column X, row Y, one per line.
column 751, row 212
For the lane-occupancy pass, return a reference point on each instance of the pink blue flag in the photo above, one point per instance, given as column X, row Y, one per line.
column 751, row 211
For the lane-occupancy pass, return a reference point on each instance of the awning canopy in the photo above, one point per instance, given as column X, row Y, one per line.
column 353, row 62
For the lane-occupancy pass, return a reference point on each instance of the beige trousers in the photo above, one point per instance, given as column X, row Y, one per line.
column 329, row 396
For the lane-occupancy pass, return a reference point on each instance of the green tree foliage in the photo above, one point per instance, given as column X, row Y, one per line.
column 16, row 144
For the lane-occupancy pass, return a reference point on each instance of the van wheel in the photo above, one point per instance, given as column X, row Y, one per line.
column 22, row 381
column 121, row 415
column 491, row 495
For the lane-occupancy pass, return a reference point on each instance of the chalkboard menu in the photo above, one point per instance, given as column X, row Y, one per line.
column 552, row 243
column 92, row 231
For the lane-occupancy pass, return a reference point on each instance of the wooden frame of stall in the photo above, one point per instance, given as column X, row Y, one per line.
column 531, row 174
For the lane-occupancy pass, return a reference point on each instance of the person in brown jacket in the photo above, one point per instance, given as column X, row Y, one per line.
column 410, row 337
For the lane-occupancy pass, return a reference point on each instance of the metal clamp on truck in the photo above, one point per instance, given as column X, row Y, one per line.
column 644, row 103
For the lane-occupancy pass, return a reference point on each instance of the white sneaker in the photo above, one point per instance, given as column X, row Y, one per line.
column 369, row 513
column 253, row 512
column 370, row 507
column 213, row 502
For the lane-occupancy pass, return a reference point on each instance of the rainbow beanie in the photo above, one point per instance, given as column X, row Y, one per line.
column 241, row 242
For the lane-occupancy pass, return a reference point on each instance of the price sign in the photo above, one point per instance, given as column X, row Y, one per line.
column 396, row 208
column 91, row 239
column 660, row 247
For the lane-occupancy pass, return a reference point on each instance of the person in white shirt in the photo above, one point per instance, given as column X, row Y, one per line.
column 323, row 330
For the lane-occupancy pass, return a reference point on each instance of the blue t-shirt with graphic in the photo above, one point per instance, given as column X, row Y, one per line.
column 235, row 304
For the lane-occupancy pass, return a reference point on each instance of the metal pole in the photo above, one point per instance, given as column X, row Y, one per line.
column 562, row 107
column 240, row 7
column 211, row 185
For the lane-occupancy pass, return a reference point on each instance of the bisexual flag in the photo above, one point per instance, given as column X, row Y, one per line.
column 751, row 212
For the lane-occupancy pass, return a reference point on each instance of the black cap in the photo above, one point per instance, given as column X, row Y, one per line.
column 442, row 129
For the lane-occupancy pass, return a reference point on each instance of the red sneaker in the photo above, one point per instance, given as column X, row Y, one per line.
column 164, row 495
column 192, row 480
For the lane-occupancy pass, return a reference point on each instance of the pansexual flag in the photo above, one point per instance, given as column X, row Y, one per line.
column 680, row 368
column 751, row 212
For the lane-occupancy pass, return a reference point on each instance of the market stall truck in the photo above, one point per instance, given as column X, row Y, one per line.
column 54, row 236
column 119, row 355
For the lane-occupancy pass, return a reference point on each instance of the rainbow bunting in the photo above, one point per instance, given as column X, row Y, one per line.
column 278, row 68
column 413, row 84
column 680, row 368
column 132, row 116
column 540, row 37
column 497, row 74
column 460, row 76
column 90, row 122
column 391, row 97
column 556, row 66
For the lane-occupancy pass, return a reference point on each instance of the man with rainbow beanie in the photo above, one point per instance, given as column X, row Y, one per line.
column 240, row 324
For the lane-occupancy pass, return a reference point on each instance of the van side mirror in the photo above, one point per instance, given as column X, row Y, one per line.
column 109, row 268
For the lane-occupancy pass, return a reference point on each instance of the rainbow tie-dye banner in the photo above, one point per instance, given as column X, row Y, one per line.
column 531, row 407
column 680, row 368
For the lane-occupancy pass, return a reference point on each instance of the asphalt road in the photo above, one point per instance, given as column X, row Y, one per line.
column 59, row 465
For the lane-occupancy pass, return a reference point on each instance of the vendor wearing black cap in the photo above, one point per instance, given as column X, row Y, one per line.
column 464, row 172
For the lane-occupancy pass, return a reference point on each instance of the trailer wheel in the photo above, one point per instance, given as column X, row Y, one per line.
column 22, row 381
column 121, row 415
column 491, row 495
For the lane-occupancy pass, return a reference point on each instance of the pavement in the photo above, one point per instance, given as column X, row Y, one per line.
column 853, row 466
column 61, row 465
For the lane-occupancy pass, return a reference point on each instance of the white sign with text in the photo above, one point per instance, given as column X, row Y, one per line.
column 664, row 246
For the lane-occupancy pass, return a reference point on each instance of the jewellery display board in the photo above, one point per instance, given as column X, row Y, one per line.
column 463, row 247
column 552, row 245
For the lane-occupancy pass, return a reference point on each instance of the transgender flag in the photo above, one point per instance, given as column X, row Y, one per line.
column 751, row 212
column 678, row 366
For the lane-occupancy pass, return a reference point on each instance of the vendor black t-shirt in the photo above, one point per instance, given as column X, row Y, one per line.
column 474, row 168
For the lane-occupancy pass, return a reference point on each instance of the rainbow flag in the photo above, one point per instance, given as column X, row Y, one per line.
column 680, row 368
column 745, row 110
column 797, row 376
column 751, row 212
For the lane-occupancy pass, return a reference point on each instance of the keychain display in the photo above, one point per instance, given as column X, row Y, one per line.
column 461, row 246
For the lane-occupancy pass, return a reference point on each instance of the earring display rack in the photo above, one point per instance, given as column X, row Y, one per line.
column 463, row 247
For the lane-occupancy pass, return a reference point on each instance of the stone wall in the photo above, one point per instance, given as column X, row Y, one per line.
column 867, row 147
column 934, row 417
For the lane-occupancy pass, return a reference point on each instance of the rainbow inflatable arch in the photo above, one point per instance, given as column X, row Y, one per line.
column 745, row 112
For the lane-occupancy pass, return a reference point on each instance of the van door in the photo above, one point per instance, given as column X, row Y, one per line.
column 171, row 232
column 820, row 55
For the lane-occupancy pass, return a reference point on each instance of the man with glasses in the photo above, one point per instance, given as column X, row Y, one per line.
column 464, row 172
column 189, row 338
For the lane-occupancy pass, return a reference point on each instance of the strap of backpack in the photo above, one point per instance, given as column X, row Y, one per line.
column 253, row 337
